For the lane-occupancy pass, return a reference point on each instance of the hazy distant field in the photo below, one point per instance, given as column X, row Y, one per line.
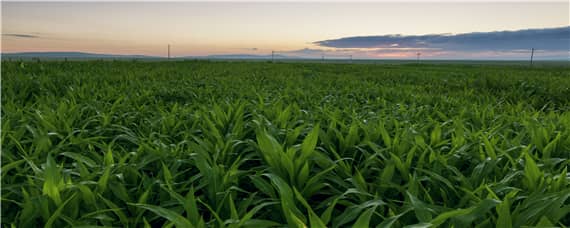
column 74, row 56
column 256, row 144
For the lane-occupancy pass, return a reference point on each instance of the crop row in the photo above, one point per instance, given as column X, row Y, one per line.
column 221, row 144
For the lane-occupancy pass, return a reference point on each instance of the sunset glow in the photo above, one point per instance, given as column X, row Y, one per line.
column 199, row 29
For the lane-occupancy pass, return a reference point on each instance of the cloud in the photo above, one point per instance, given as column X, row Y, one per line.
column 344, row 53
column 548, row 39
column 304, row 51
column 318, row 52
column 249, row 49
column 17, row 35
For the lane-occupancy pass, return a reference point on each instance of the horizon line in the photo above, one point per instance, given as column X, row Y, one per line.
column 251, row 57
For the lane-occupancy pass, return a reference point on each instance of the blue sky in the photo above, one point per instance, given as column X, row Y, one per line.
column 372, row 29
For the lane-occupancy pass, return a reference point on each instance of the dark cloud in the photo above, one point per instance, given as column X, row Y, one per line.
column 21, row 35
column 549, row 39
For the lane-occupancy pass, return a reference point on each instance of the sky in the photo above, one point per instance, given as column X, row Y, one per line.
column 336, row 29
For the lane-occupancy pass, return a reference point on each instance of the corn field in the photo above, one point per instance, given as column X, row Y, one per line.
column 256, row 144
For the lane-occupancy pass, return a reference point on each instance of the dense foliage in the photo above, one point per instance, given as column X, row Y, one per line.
column 256, row 144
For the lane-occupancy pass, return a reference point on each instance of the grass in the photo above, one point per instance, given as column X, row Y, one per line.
column 254, row 144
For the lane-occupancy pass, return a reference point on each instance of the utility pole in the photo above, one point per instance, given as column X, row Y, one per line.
column 350, row 58
column 273, row 56
column 531, row 55
column 323, row 58
column 418, row 54
column 168, row 51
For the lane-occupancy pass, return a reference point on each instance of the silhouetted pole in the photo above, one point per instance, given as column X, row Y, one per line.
column 350, row 58
column 323, row 58
column 418, row 54
column 169, row 51
column 531, row 55
column 272, row 56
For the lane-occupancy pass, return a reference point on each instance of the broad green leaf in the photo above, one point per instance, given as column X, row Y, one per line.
column 363, row 220
column 169, row 215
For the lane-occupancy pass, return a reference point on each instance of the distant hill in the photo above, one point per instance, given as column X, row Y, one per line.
column 86, row 55
column 70, row 55
column 239, row 56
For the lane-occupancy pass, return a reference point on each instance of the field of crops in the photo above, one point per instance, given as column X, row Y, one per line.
column 256, row 144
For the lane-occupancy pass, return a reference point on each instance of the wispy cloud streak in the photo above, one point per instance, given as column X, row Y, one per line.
column 17, row 35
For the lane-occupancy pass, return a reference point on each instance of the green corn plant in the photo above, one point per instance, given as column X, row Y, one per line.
column 298, row 144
